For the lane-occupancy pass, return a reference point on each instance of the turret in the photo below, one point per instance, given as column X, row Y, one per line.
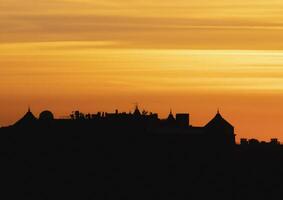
column 220, row 130
column 170, row 117
column 137, row 111
column 183, row 119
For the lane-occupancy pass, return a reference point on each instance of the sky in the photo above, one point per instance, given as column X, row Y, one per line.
column 186, row 55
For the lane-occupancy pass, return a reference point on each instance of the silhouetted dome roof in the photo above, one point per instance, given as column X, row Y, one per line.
column 27, row 119
column 218, row 121
column 46, row 115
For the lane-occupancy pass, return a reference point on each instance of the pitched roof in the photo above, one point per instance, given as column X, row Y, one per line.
column 137, row 111
column 170, row 116
column 27, row 119
column 218, row 121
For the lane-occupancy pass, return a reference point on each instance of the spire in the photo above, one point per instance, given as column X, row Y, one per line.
column 137, row 111
column 218, row 114
column 27, row 119
column 170, row 116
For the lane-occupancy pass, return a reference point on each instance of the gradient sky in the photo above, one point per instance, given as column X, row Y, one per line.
column 191, row 56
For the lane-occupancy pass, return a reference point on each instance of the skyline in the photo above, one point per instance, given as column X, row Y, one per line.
column 191, row 56
column 131, row 111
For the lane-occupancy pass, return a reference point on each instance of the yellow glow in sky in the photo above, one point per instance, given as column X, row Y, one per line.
column 192, row 56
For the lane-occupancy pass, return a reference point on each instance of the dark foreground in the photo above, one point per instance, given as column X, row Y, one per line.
column 102, row 164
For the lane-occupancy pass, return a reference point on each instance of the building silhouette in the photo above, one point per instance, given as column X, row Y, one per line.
column 135, row 155
column 217, row 130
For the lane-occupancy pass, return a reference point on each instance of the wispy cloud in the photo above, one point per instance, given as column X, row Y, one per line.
column 202, row 24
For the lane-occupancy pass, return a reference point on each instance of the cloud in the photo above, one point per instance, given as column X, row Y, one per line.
column 157, row 24
column 143, row 32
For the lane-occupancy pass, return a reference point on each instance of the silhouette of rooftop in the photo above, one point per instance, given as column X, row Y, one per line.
column 149, row 122
column 138, row 151
column 27, row 118
column 218, row 121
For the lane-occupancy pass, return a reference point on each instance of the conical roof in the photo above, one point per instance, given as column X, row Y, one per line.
column 218, row 121
column 170, row 116
column 28, row 118
column 137, row 111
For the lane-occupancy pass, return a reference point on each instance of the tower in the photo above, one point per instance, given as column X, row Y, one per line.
column 183, row 119
column 220, row 131
column 137, row 111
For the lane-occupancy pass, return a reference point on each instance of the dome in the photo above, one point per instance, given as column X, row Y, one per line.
column 46, row 115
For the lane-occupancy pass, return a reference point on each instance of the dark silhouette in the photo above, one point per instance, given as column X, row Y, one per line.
column 135, row 156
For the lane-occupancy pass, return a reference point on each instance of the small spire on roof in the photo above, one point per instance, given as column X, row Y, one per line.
column 137, row 111
column 171, row 116
column 136, row 106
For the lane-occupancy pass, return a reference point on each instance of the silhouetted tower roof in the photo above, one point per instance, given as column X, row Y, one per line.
column 218, row 121
column 170, row 116
column 221, row 131
column 137, row 111
column 28, row 118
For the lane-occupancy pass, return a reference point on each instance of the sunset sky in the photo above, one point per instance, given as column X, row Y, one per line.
column 189, row 55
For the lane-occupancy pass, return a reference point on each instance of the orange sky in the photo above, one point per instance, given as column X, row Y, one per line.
column 191, row 56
